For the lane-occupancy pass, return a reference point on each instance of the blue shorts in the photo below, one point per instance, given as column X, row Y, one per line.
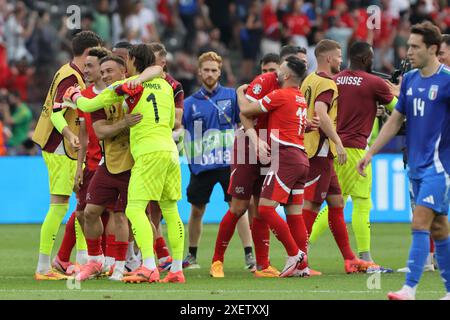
column 432, row 190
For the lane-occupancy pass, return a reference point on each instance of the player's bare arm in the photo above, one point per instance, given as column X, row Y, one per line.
column 83, row 137
column 149, row 73
column 327, row 128
column 388, row 131
column 105, row 129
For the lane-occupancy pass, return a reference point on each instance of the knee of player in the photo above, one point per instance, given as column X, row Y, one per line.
column 120, row 219
column 90, row 213
column 439, row 231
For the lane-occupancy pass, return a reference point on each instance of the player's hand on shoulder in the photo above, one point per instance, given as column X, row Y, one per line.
column 133, row 83
column 132, row 119
column 70, row 97
column 241, row 89
column 394, row 88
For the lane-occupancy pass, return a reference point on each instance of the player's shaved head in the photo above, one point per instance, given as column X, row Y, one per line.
column 361, row 56
column 297, row 66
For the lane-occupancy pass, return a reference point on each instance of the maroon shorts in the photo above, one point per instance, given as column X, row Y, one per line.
column 106, row 188
column 322, row 180
column 246, row 176
column 81, row 195
column 286, row 178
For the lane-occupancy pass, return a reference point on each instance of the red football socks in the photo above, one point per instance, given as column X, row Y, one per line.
column 309, row 217
column 261, row 241
column 94, row 246
column 298, row 230
column 339, row 229
column 160, row 247
column 69, row 240
column 110, row 245
column 121, row 248
column 431, row 245
column 280, row 228
column 226, row 230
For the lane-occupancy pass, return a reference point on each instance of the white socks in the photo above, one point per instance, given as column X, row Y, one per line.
column 43, row 263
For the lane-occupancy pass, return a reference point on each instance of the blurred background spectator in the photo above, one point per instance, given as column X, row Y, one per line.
column 35, row 40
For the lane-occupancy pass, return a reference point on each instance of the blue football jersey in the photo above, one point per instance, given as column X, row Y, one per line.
column 426, row 104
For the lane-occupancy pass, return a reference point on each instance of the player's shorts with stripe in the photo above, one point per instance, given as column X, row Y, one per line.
column 432, row 190
column 106, row 188
column 81, row 195
column 350, row 181
column 246, row 176
column 201, row 185
column 61, row 173
column 286, row 177
column 322, row 180
column 156, row 176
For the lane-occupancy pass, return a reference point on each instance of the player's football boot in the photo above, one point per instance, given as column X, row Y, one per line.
column 269, row 272
column 190, row 262
column 402, row 294
column 250, row 262
column 355, row 265
column 174, row 277
column 142, row 274
column 165, row 265
column 60, row 265
column 50, row 275
column 216, row 270
column 292, row 262
column 117, row 275
column 73, row 269
column 89, row 270
column 372, row 267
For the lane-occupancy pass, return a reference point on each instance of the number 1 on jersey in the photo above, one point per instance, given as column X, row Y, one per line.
column 152, row 98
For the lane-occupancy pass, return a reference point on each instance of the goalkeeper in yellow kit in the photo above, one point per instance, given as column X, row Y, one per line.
column 156, row 173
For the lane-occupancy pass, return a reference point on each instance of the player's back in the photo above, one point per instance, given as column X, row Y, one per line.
column 425, row 103
column 287, row 116
column 154, row 132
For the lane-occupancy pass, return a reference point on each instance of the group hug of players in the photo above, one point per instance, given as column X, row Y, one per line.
column 308, row 133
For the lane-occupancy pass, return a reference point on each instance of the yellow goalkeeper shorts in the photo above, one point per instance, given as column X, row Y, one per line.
column 61, row 173
column 155, row 176
column 350, row 181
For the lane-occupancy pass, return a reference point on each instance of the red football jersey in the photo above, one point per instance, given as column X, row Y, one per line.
column 261, row 86
column 287, row 110
column 178, row 93
column 359, row 93
column 94, row 151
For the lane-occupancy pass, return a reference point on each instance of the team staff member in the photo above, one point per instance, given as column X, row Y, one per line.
column 210, row 118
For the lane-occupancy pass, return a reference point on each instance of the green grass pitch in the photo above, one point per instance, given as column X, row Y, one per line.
column 390, row 245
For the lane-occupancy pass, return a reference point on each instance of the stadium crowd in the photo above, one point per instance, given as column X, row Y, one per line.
column 35, row 40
